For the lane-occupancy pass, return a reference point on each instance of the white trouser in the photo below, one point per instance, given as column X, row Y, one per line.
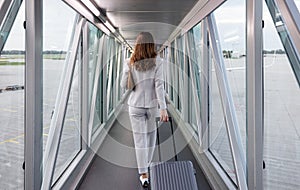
column 144, row 135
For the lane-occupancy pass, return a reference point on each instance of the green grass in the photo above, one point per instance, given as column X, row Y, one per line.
column 54, row 56
column 5, row 63
column 13, row 56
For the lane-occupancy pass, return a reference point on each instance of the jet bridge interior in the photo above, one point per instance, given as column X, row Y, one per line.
column 221, row 77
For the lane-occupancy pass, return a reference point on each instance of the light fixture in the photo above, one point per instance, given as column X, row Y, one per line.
column 110, row 27
column 103, row 28
column 92, row 7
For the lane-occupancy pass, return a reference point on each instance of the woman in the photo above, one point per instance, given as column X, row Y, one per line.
column 147, row 72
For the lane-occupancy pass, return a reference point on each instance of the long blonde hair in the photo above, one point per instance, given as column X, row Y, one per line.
column 143, row 57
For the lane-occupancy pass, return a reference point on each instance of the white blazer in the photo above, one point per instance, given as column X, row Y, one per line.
column 149, row 86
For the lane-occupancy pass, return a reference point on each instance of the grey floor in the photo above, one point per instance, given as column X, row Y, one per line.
column 115, row 165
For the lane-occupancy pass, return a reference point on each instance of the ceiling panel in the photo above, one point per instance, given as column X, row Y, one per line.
column 160, row 17
column 121, row 19
column 157, row 29
column 146, row 5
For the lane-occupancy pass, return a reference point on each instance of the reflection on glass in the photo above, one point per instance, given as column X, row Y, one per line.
column 112, row 62
column 99, row 104
column 106, row 96
column 12, row 74
column 195, row 57
column 281, row 116
column 115, row 84
column 107, row 67
column 218, row 137
column 191, row 102
column 99, row 113
column 172, row 75
column 196, row 50
column 111, row 73
column 190, row 97
column 120, row 67
column 93, row 56
column 179, row 69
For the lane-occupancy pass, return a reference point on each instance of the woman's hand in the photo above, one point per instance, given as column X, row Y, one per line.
column 164, row 115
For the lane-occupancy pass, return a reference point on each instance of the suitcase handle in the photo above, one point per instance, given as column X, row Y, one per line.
column 173, row 138
column 158, row 119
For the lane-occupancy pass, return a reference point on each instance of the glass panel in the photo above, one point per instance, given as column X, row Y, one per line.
column 112, row 74
column 115, row 82
column 12, row 74
column 218, row 137
column 232, row 34
column 94, row 57
column 120, row 63
column 281, row 116
column 94, row 37
column 166, row 71
column 179, row 71
column 70, row 143
column 191, row 101
column 196, row 50
column 172, row 70
column 58, row 28
column 102, row 85
column 194, row 44
column 108, row 72
column 286, row 39
column 180, row 54
column 98, row 115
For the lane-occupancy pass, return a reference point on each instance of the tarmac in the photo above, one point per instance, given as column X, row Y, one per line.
column 281, row 130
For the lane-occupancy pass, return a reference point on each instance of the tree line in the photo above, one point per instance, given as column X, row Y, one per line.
column 229, row 53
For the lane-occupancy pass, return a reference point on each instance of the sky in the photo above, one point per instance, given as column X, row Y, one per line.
column 57, row 27
column 230, row 19
column 59, row 19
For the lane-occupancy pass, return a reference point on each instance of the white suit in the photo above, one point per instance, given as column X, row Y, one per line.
column 143, row 103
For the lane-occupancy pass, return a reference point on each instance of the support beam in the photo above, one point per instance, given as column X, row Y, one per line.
column 255, row 102
column 205, row 67
column 33, row 95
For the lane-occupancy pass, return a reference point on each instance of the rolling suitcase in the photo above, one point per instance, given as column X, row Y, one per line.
column 179, row 175
column 171, row 175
